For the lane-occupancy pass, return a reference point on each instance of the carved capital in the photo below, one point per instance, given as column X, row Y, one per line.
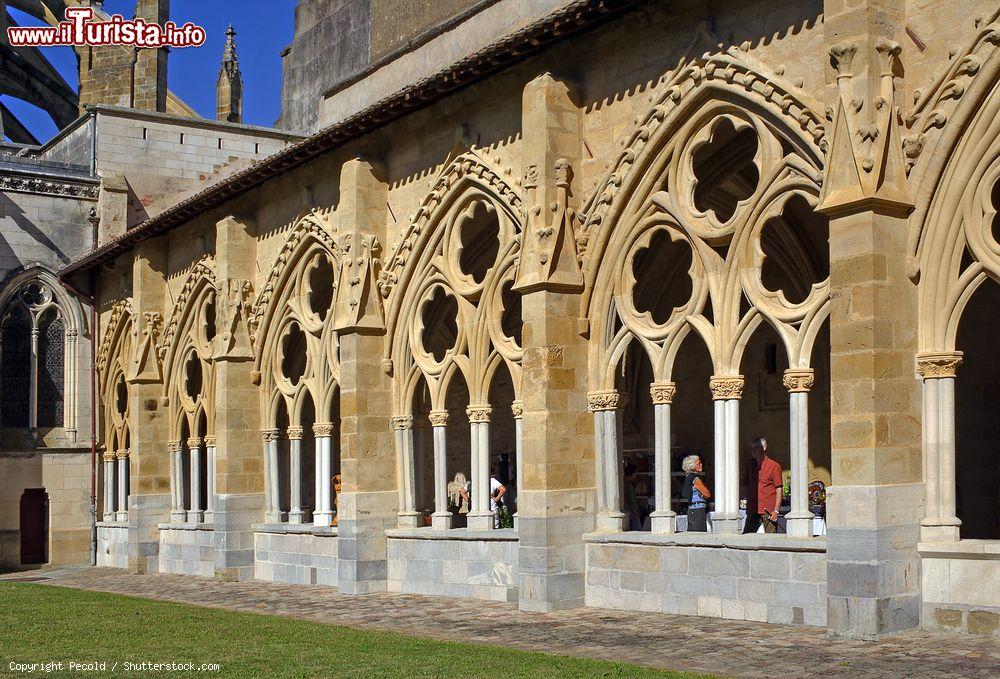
column 605, row 400
column 175, row 446
column 109, row 455
column 799, row 379
column 121, row 455
column 933, row 366
column 210, row 442
column 662, row 392
column 726, row 387
column 438, row 418
column 271, row 435
column 888, row 51
column 195, row 442
column 517, row 407
column 480, row 413
column 321, row 429
column 294, row 433
column 402, row 422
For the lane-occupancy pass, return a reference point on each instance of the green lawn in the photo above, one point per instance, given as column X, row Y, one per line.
column 45, row 624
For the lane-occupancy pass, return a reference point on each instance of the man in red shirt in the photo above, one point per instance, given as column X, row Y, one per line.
column 762, row 486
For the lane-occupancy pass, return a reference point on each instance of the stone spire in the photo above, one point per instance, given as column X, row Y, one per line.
column 229, row 89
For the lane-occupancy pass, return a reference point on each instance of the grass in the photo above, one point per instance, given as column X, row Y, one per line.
column 41, row 623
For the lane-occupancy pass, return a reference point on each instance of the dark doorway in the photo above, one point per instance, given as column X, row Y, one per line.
column 34, row 526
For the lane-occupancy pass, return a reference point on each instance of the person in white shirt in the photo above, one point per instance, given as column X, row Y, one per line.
column 497, row 491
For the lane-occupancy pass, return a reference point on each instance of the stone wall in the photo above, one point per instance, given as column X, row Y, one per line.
column 301, row 555
column 187, row 549
column 456, row 563
column 760, row 578
column 112, row 545
column 960, row 586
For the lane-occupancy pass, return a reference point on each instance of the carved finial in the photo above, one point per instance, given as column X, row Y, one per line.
column 842, row 57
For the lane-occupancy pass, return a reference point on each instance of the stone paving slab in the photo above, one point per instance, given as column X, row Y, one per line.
column 721, row 647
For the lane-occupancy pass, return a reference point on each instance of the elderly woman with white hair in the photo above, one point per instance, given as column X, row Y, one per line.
column 695, row 490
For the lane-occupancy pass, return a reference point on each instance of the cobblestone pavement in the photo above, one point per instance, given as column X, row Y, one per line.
column 721, row 647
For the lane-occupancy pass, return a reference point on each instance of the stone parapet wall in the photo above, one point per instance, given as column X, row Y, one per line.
column 112, row 545
column 301, row 555
column 455, row 563
column 960, row 584
column 187, row 549
column 739, row 577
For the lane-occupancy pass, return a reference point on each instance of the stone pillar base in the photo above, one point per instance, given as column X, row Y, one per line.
column 296, row 516
column 209, row 516
column 481, row 520
column 611, row 523
column 274, row 517
column 663, row 522
column 408, row 519
column 178, row 516
column 940, row 530
column 195, row 516
column 234, row 515
column 799, row 524
column 323, row 519
column 147, row 512
column 726, row 523
column 109, row 516
column 121, row 516
column 442, row 520
column 551, row 553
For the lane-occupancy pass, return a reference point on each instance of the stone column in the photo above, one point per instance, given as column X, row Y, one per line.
column 607, row 407
column 149, row 457
column 323, row 516
column 402, row 428
column 481, row 517
column 239, row 465
column 122, row 513
column 369, row 502
column 210, row 476
column 109, row 485
column 441, row 518
column 177, row 512
column 272, row 511
column 874, row 501
column 663, row 519
column 557, row 500
column 295, row 512
column 517, row 407
column 799, row 382
column 940, row 522
column 195, row 513
column 726, row 393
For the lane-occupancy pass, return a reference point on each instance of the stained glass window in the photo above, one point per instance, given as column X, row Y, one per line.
column 15, row 367
column 51, row 370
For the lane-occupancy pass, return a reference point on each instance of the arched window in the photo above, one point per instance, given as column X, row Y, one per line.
column 32, row 359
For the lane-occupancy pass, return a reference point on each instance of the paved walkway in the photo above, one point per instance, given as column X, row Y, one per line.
column 721, row 647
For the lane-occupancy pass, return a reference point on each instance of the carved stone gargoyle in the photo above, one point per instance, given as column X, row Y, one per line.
column 548, row 255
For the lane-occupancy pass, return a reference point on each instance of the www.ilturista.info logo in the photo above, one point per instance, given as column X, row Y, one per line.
column 79, row 29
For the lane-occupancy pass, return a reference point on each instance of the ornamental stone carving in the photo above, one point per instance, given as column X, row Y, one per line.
column 109, row 455
column 271, row 435
column 662, row 392
column 235, row 321
column 210, row 442
column 174, row 447
column 517, row 407
column 402, row 422
column 438, row 418
column 605, row 400
column 323, row 429
column 146, row 366
column 49, row 187
column 480, row 413
column 294, row 433
column 799, row 379
column 195, row 442
column 359, row 306
column 725, row 388
column 932, row 366
column 549, row 258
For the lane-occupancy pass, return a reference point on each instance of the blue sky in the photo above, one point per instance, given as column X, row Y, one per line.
column 263, row 27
